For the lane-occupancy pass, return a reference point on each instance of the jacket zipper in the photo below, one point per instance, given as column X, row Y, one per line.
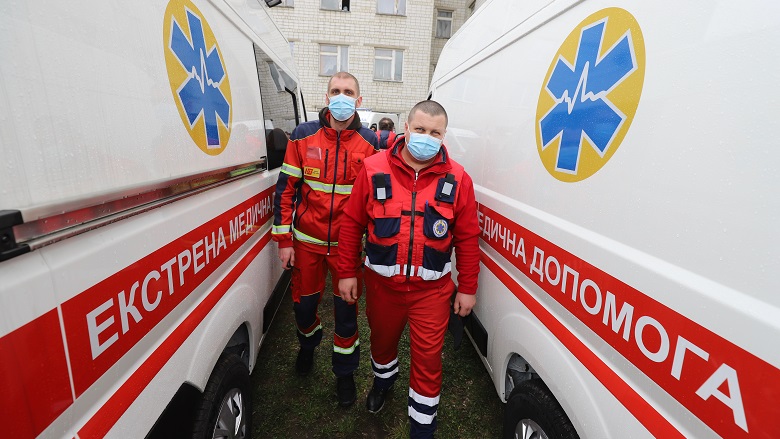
column 411, row 226
column 335, row 178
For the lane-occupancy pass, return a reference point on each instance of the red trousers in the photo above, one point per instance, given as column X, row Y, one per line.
column 308, row 284
column 389, row 307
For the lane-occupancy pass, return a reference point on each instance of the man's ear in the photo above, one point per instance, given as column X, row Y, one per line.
column 359, row 101
column 327, row 99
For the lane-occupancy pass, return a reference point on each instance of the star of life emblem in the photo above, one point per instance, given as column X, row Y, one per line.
column 440, row 228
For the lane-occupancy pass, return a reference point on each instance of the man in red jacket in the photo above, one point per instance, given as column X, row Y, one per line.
column 323, row 159
column 417, row 204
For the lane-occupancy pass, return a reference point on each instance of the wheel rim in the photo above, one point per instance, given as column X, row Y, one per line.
column 231, row 421
column 528, row 429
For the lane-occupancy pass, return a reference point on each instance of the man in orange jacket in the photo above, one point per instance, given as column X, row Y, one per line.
column 323, row 159
column 417, row 205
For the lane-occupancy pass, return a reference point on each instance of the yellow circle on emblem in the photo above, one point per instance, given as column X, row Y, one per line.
column 590, row 95
column 198, row 76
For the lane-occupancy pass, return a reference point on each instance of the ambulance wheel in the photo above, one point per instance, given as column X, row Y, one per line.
column 533, row 413
column 225, row 409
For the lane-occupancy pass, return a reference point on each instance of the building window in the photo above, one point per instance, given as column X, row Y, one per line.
column 287, row 3
column 392, row 7
column 335, row 5
column 333, row 59
column 443, row 24
column 388, row 64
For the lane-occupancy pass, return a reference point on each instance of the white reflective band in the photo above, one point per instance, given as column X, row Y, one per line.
column 300, row 236
column 427, row 274
column 386, row 374
column 278, row 230
column 421, row 417
column 312, row 332
column 291, row 170
column 425, row 400
column 342, row 189
column 348, row 350
column 384, row 366
column 383, row 270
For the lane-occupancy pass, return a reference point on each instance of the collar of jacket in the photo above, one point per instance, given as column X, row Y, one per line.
column 331, row 133
column 440, row 165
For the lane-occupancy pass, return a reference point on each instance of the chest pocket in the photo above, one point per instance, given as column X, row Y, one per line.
column 387, row 219
column 355, row 164
column 437, row 222
column 314, row 163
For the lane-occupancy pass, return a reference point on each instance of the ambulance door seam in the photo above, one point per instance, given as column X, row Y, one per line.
column 65, row 344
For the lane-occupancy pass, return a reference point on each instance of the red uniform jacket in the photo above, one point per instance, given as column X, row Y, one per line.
column 315, row 181
column 462, row 229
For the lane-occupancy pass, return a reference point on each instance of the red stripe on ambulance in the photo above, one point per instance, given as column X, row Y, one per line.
column 104, row 322
column 110, row 412
column 35, row 385
column 731, row 390
column 644, row 412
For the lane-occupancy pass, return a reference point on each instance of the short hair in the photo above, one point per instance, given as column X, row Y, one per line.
column 386, row 124
column 345, row 75
column 431, row 108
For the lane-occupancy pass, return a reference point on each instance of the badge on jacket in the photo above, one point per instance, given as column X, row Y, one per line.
column 311, row 172
column 440, row 228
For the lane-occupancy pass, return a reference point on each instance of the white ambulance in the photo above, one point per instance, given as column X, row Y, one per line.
column 624, row 157
column 137, row 273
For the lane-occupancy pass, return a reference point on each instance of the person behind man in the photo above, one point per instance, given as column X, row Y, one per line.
column 417, row 204
column 386, row 133
column 322, row 160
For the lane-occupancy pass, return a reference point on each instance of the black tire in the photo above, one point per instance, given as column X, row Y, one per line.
column 532, row 407
column 229, row 394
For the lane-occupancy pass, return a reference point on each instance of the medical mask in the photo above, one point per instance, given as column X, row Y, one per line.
column 422, row 146
column 342, row 107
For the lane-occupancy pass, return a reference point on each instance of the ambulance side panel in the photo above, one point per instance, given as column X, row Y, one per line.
column 131, row 258
column 676, row 229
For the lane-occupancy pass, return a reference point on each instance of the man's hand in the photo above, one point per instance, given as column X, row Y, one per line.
column 463, row 303
column 348, row 289
column 287, row 256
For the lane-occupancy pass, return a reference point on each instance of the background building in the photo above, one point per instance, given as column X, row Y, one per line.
column 391, row 46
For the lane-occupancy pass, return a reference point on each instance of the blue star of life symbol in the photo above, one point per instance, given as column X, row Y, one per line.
column 582, row 109
column 439, row 228
column 200, row 93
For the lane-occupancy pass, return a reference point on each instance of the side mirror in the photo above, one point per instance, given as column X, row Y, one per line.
column 272, row 3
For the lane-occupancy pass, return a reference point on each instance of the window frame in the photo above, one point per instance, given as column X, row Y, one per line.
column 343, row 6
column 393, row 62
column 342, row 58
column 399, row 7
column 440, row 19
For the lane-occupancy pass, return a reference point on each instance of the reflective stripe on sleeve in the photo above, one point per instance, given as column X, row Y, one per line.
column 291, row 170
column 280, row 230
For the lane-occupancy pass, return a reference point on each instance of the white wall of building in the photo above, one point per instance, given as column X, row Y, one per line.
column 363, row 30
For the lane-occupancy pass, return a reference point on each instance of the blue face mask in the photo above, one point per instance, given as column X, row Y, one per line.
column 342, row 107
column 422, row 146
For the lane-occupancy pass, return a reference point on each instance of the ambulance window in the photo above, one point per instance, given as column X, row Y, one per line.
column 278, row 95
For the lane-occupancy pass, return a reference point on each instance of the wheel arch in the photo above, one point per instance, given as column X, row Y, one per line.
column 525, row 349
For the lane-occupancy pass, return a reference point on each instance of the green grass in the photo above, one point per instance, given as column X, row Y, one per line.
column 289, row 406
